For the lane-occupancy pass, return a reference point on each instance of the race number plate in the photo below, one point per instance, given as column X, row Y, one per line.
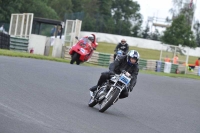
column 82, row 50
column 124, row 79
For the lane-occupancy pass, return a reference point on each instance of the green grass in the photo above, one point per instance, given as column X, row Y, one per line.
column 28, row 55
column 147, row 54
column 171, row 74
column 41, row 57
column 158, row 73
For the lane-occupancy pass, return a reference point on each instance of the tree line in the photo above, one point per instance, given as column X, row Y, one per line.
column 121, row 17
column 182, row 30
column 109, row 16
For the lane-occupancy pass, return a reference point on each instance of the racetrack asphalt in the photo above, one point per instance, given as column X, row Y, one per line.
column 38, row 96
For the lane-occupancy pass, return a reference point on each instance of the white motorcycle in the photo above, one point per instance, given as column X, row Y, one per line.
column 107, row 94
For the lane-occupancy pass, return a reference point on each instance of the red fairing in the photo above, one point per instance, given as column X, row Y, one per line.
column 84, row 48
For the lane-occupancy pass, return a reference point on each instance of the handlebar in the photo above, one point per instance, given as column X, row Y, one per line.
column 124, row 72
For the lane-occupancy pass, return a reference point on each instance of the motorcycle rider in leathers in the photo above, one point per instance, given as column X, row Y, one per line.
column 122, row 46
column 93, row 44
column 128, row 63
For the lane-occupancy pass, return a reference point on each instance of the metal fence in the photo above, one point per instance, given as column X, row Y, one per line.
column 4, row 41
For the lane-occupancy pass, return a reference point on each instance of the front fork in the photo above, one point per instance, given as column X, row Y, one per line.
column 111, row 89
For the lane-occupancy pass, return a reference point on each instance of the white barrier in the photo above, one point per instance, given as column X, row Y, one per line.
column 199, row 71
column 37, row 43
column 57, row 48
column 138, row 42
column 167, row 67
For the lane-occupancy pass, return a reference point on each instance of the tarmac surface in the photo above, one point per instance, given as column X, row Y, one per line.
column 38, row 96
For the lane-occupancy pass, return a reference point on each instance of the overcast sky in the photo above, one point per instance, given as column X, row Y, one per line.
column 160, row 9
column 157, row 8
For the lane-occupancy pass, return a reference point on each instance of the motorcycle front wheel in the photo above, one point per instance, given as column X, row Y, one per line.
column 92, row 102
column 107, row 102
column 75, row 57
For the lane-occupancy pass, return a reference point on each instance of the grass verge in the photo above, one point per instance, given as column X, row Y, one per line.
column 41, row 57
column 147, row 54
column 28, row 55
column 171, row 74
column 159, row 73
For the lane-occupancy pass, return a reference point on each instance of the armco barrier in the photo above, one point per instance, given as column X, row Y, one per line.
column 142, row 64
column 174, row 68
column 151, row 64
column 194, row 71
column 102, row 59
column 181, row 69
column 159, row 66
column 4, row 41
column 19, row 44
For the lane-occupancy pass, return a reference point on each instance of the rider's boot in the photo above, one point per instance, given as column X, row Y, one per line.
column 94, row 88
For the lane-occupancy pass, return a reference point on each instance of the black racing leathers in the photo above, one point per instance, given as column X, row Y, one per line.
column 123, row 47
column 117, row 67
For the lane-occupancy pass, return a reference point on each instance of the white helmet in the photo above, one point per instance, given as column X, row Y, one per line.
column 91, row 38
column 133, row 54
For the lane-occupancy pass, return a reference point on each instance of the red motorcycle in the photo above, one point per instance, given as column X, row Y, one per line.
column 83, row 49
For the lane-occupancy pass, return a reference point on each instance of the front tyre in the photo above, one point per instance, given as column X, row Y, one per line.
column 92, row 102
column 75, row 57
column 106, row 103
column 78, row 62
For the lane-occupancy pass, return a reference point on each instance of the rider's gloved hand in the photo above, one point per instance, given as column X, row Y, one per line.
column 128, row 74
column 123, row 71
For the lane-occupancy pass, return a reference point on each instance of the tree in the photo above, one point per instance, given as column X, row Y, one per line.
column 61, row 7
column 105, row 7
column 183, row 7
column 168, row 20
column 105, row 17
column 155, row 35
column 145, row 33
column 126, row 15
column 136, row 30
column 90, row 10
column 179, row 33
column 77, row 6
column 6, row 9
column 38, row 7
column 177, row 5
column 197, row 32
